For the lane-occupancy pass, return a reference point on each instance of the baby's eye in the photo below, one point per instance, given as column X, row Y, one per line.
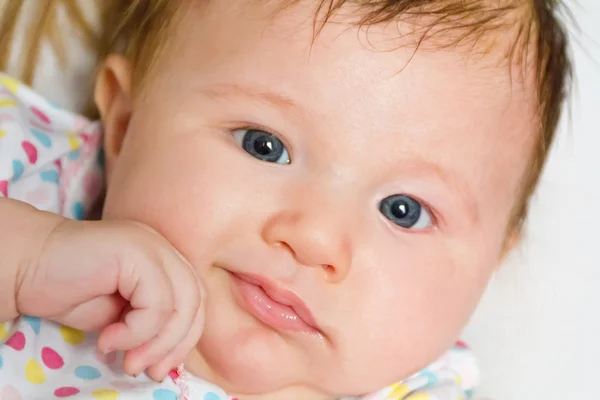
column 262, row 145
column 405, row 211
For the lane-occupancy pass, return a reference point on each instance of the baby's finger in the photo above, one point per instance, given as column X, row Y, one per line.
column 150, row 296
column 179, row 354
column 138, row 327
column 187, row 303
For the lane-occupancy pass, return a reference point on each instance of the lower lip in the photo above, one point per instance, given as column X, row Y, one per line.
column 279, row 316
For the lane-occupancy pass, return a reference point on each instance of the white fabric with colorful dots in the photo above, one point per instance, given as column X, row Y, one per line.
column 52, row 159
column 40, row 360
column 49, row 158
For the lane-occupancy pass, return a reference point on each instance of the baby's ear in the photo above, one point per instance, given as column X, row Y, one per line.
column 114, row 101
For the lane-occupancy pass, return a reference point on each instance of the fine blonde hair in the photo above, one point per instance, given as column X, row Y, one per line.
column 139, row 28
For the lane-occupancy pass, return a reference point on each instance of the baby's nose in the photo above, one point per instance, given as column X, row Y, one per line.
column 314, row 239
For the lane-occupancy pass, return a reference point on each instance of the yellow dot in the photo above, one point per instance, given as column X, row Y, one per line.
column 399, row 392
column 2, row 133
column 419, row 396
column 10, row 83
column 7, row 103
column 74, row 142
column 105, row 394
column 34, row 373
column 71, row 335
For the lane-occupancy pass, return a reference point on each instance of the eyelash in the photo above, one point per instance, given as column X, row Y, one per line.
column 250, row 126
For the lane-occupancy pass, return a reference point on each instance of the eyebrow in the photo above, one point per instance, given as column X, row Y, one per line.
column 232, row 90
column 454, row 183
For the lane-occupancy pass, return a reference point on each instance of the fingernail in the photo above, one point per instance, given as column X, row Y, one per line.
column 107, row 351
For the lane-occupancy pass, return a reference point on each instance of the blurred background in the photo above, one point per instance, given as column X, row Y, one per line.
column 537, row 331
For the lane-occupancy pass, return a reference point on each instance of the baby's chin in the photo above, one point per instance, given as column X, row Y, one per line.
column 266, row 366
column 261, row 363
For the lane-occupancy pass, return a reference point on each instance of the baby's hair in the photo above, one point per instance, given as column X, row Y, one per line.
column 138, row 29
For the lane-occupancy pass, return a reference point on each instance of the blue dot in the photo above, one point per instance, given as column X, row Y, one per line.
column 87, row 373
column 211, row 396
column 432, row 378
column 74, row 155
column 78, row 211
column 164, row 394
column 34, row 322
column 50, row 176
column 1, row 362
column 43, row 138
column 18, row 169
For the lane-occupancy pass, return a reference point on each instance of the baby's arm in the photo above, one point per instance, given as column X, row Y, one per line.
column 22, row 237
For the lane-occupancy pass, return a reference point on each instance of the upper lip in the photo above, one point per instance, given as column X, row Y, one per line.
column 283, row 296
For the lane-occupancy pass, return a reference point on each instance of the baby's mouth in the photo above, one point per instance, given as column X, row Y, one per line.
column 276, row 307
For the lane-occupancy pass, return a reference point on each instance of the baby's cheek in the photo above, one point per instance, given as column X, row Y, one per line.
column 412, row 311
column 156, row 188
column 182, row 188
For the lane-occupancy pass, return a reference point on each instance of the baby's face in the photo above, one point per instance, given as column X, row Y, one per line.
column 345, row 207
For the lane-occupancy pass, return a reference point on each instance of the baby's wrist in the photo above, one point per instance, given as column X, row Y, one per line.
column 26, row 230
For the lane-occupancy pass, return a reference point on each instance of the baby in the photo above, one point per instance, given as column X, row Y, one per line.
column 304, row 199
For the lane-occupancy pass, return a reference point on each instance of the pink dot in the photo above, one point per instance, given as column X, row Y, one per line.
column 41, row 116
column 4, row 188
column 173, row 374
column 17, row 341
column 31, row 151
column 52, row 359
column 66, row 391
column 94, row 140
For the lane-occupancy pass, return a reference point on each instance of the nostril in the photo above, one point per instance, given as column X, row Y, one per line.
column 330, row 269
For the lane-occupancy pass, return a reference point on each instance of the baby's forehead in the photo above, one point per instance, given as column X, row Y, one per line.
column 481, row 45
column 411, row 62
column 496, row 37
column 381, row 66
column 433, row 24
column 494, row 33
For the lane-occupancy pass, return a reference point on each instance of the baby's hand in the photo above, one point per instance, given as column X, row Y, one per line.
column 124, row 280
